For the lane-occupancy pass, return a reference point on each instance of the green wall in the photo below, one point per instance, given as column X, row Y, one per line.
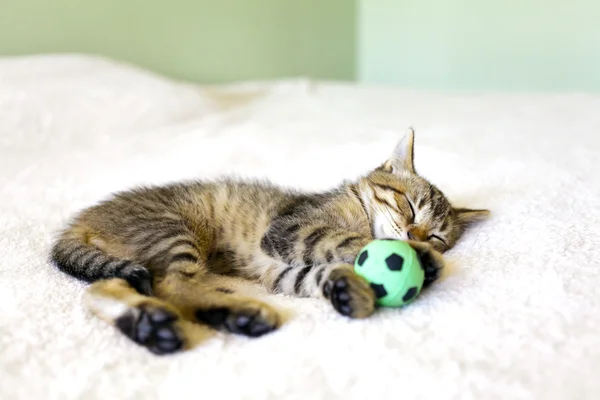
column 478, row 45
column 529, row 45
column 203, row 40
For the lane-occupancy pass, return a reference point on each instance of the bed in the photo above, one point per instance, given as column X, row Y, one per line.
column 516, row 314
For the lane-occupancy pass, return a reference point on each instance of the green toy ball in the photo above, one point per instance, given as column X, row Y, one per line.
column 393, row 269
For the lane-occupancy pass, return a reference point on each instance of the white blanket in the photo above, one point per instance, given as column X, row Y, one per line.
column 517, row 314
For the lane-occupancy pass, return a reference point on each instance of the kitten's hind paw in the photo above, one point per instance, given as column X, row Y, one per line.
column 249, row 318
column 152, row 327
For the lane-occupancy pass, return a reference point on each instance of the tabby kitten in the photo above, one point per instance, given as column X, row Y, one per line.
column 153, row 253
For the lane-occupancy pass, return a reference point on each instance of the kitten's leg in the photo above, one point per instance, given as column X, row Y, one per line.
column 350, row 294
column 432, row 260
column 317, row 262
column 156, row 323
column 184, row 292
column 324, row 259
column 346, row 246
column 197, row 299
column 146, row 320
column 184, row 281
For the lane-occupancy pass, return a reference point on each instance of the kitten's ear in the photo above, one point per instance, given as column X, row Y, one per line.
column 466, row 216
column 402, row 156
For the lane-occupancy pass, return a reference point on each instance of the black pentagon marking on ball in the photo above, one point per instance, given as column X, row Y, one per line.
column 362, row 258
column 394, row 262
column 410, row 294
column 379, row 290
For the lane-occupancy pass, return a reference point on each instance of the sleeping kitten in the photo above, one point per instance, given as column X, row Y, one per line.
column 153, row 252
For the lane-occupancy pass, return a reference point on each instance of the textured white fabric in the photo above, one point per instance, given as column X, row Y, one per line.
column 517, row 314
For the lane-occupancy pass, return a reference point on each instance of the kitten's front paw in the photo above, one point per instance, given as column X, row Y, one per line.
column 431, row 260
column 349, row 294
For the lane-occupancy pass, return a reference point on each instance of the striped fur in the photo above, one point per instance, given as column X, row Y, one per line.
column 154, row 251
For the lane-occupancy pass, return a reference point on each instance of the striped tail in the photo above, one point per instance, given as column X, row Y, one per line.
column 88, row 263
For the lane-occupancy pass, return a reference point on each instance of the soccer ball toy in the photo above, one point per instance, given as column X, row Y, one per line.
column 393, row 269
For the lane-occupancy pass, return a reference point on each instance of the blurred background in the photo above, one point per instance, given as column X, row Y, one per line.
column 458, row 45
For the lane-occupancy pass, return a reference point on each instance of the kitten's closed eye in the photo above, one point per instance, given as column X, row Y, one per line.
column 412, row 208
column 436, row 237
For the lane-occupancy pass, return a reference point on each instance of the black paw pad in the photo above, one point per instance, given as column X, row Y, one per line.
column 153, row 328
column 339, row 296
column 248, row 323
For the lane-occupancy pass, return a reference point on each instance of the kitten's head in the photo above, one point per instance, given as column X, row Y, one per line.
column 403, row 205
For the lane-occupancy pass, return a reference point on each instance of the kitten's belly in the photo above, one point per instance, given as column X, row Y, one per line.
column 255, row 265
column 238, row 252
